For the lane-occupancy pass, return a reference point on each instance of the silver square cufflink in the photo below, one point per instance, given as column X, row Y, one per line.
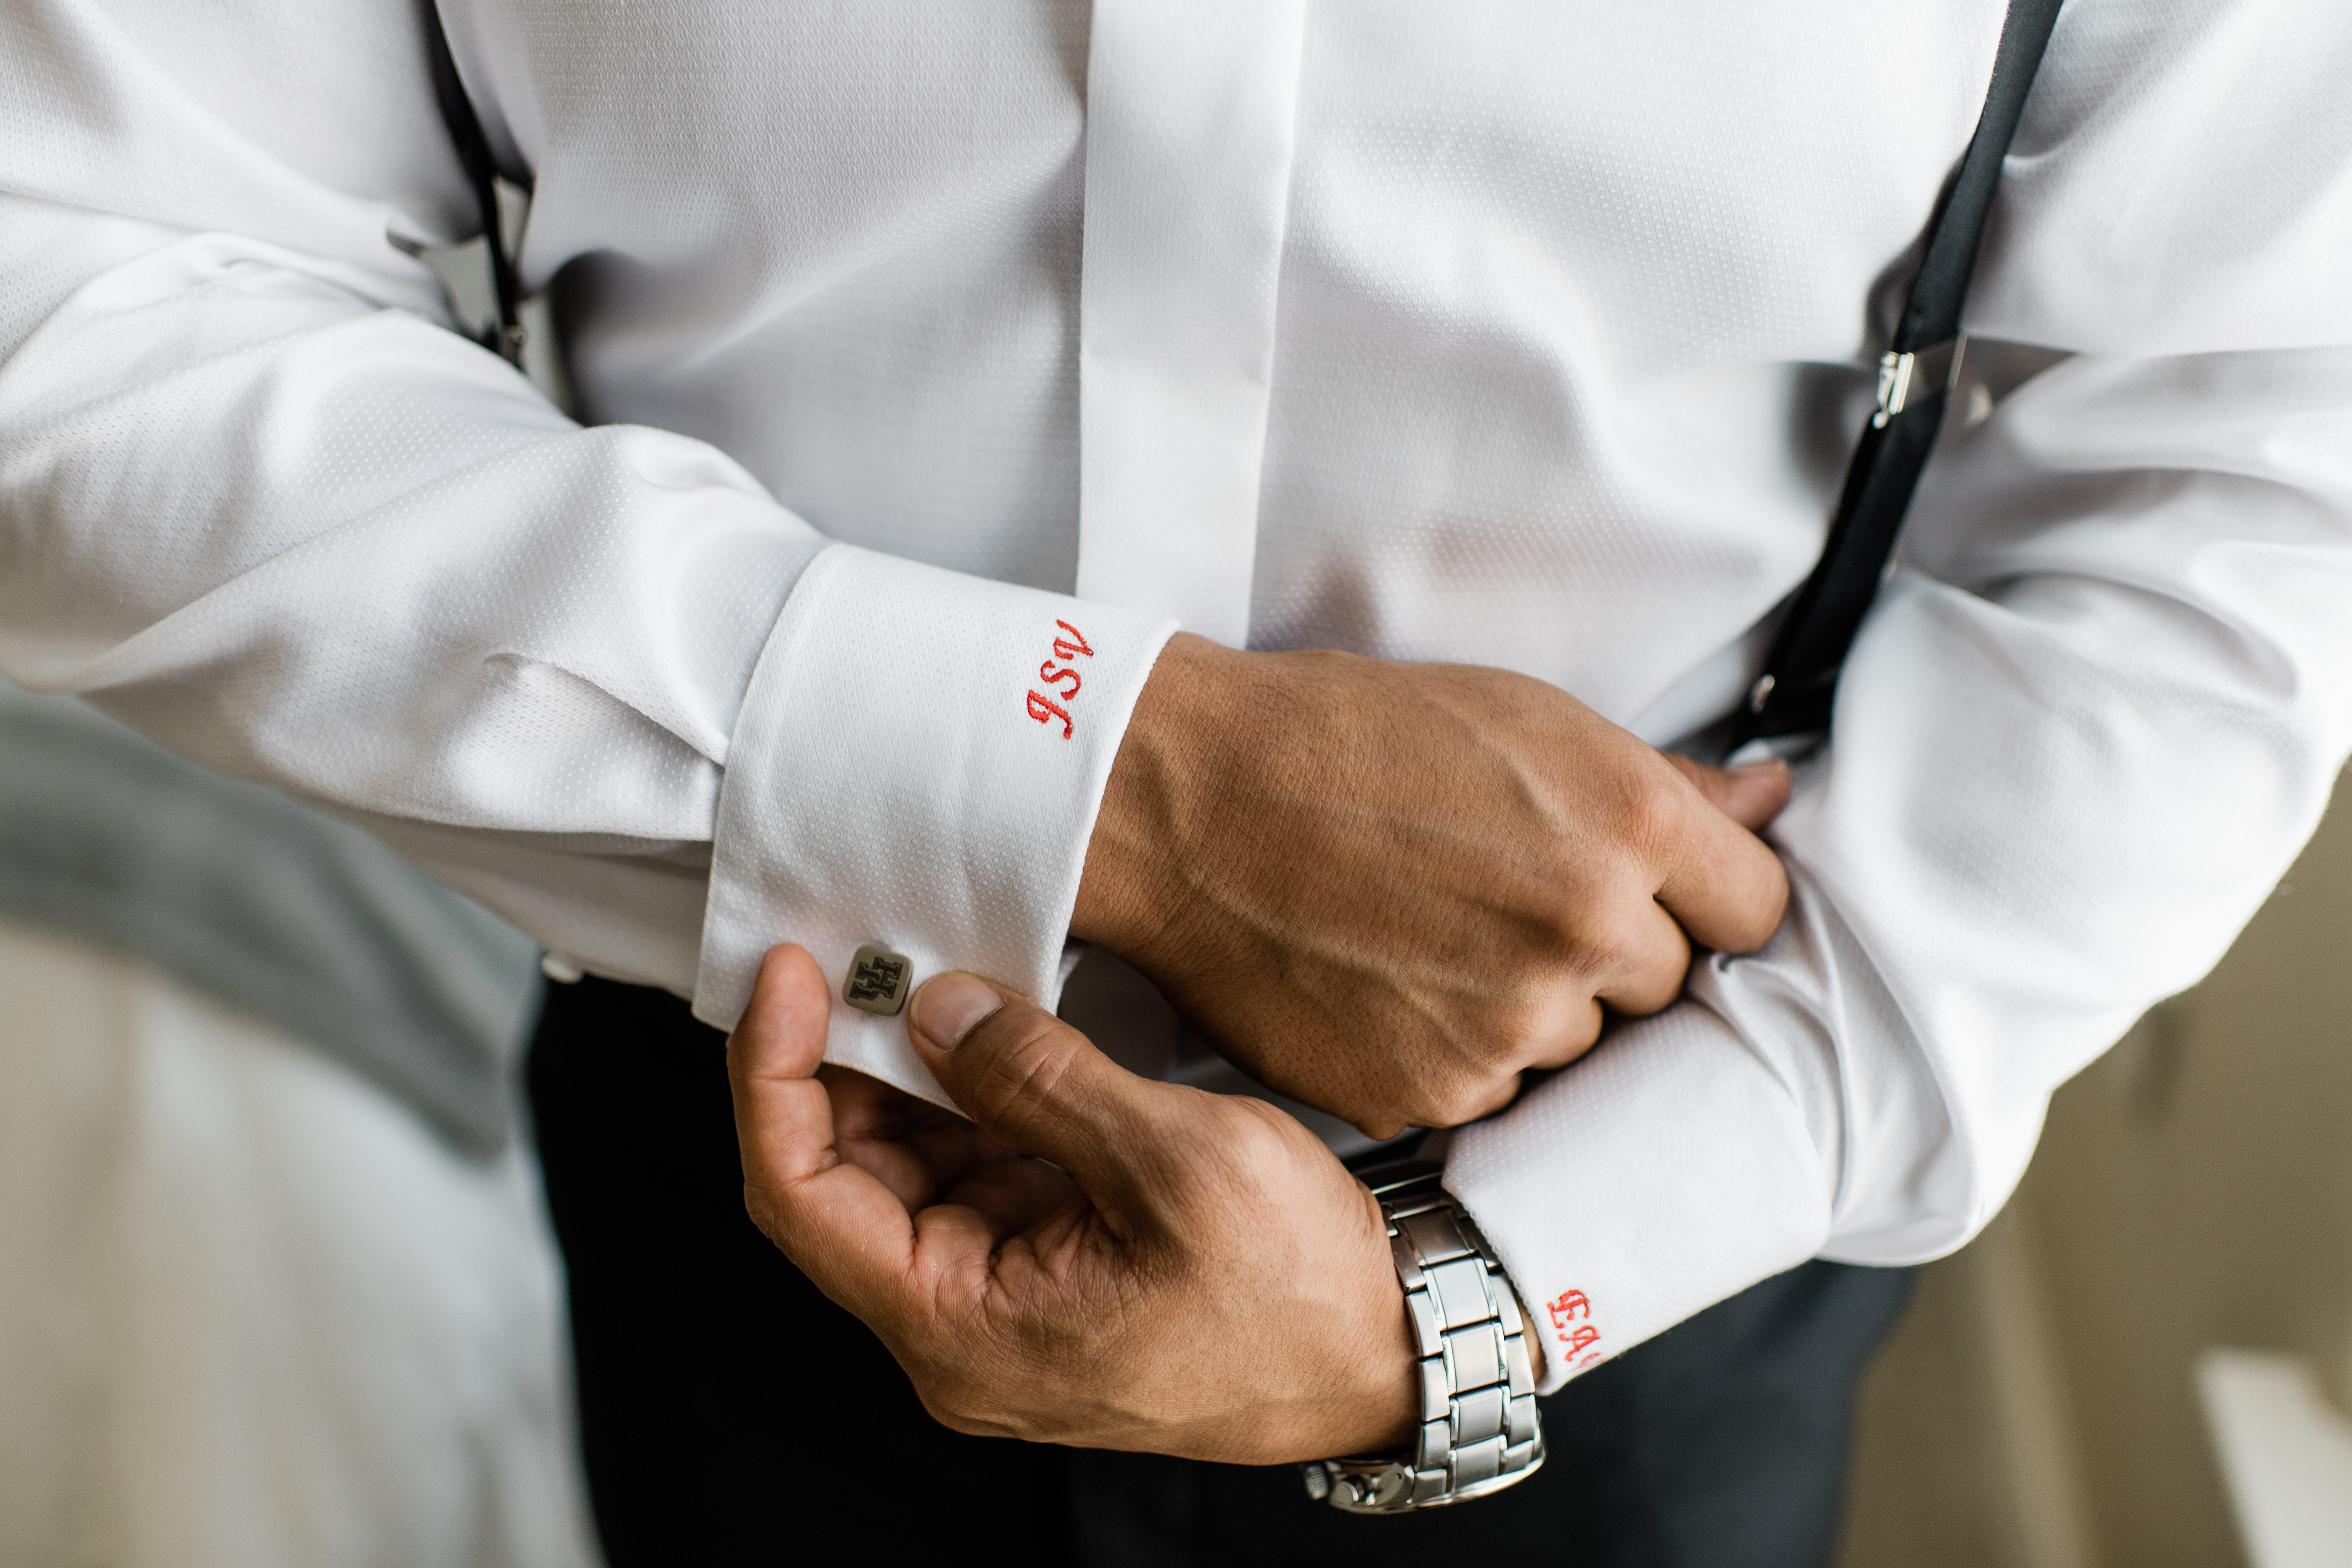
column 879, row 980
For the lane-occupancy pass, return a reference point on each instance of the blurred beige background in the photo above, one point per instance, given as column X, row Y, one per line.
column 2039, row 1407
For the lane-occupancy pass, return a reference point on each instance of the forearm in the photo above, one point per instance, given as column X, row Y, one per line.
column 267, row 510
column 307, row 540
column 264, row 507
column 349, row 554
column 2048, row 802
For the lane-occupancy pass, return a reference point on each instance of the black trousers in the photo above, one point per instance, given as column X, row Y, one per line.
column 732, row 1415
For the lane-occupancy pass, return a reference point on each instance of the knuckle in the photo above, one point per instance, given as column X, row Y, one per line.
column 1520, row 1025
column 1249, row 1138
column 1472, row 1089
column 1651, row 997
column 1570, row 1051
column 1258, row 1135
column 1770, row 907
column 1660, row 968
column 1448, row 1106
column 1570, row 1044
column 1654, row 810
column 1239, row 1158
column 1602, row 947
column 1546, row 1022
column 1468, row 1099
column 1618, row 937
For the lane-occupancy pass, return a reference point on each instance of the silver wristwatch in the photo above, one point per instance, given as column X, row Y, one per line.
column 1480, row 1430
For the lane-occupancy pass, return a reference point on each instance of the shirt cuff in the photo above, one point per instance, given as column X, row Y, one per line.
column 917, row 764
column 1666, row 1171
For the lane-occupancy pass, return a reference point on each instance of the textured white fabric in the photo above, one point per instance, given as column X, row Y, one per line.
column 253, row 1312
column 1571, row 332
column 1192, row 113
column 973, row 892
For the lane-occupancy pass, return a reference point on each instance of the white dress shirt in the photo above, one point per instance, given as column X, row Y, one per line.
column 940, row 359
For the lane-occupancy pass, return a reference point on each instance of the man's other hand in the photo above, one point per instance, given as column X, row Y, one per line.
column 1094, row 1258
column 1389, row 890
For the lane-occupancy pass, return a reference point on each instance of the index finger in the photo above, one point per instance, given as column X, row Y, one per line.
column 1750, row 795
column 1722, row 883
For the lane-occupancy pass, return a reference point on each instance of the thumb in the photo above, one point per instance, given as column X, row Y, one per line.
column 840, row 1224
column 1029, row 1081
column 1752, row 794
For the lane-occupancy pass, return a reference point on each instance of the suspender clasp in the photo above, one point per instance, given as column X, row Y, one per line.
column 1909, row 378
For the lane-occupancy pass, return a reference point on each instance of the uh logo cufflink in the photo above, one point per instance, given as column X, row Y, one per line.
column 879, row 980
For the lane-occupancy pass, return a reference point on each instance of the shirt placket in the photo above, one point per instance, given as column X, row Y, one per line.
column 1190, row 118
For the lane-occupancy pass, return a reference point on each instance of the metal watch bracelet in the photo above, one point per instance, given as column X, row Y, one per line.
column 1480, row 1430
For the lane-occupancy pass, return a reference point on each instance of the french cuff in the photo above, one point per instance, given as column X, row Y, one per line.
column 1666, row 1171
column 917, row 764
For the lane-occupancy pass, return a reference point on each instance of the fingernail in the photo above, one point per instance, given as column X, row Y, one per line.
column 1768, row 766
column 948, row 1006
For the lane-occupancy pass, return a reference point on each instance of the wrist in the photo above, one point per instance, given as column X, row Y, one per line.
column 1534, row 1341
column 1478, row 1428
column 1171, row 742
column 1387, row 1373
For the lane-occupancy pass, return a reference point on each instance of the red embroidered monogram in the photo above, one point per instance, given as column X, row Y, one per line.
column 1578, row 1337
column 1069, row 649
column 1046, row 712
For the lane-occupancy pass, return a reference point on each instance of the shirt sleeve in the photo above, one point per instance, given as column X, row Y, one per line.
column 2087, row 728
column 257, row 502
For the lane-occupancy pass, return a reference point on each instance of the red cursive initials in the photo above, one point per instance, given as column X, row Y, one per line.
column 1043, row 709
column 1046, row 712
column 1570, row 1306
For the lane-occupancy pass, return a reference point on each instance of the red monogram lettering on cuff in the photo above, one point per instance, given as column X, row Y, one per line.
column 1046, row 712
column 1069, row 649
column 1579, row 1337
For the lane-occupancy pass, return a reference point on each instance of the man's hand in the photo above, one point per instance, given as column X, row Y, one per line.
column 1389, row 890
column 1199, row 1275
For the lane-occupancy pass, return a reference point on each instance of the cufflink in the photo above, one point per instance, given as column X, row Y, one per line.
column 879, row 980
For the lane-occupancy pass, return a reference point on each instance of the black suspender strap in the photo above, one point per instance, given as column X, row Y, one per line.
column 1793, row 696
column 504, row 337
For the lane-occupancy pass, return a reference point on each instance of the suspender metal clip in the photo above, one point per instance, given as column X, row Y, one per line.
column 1908, row 378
